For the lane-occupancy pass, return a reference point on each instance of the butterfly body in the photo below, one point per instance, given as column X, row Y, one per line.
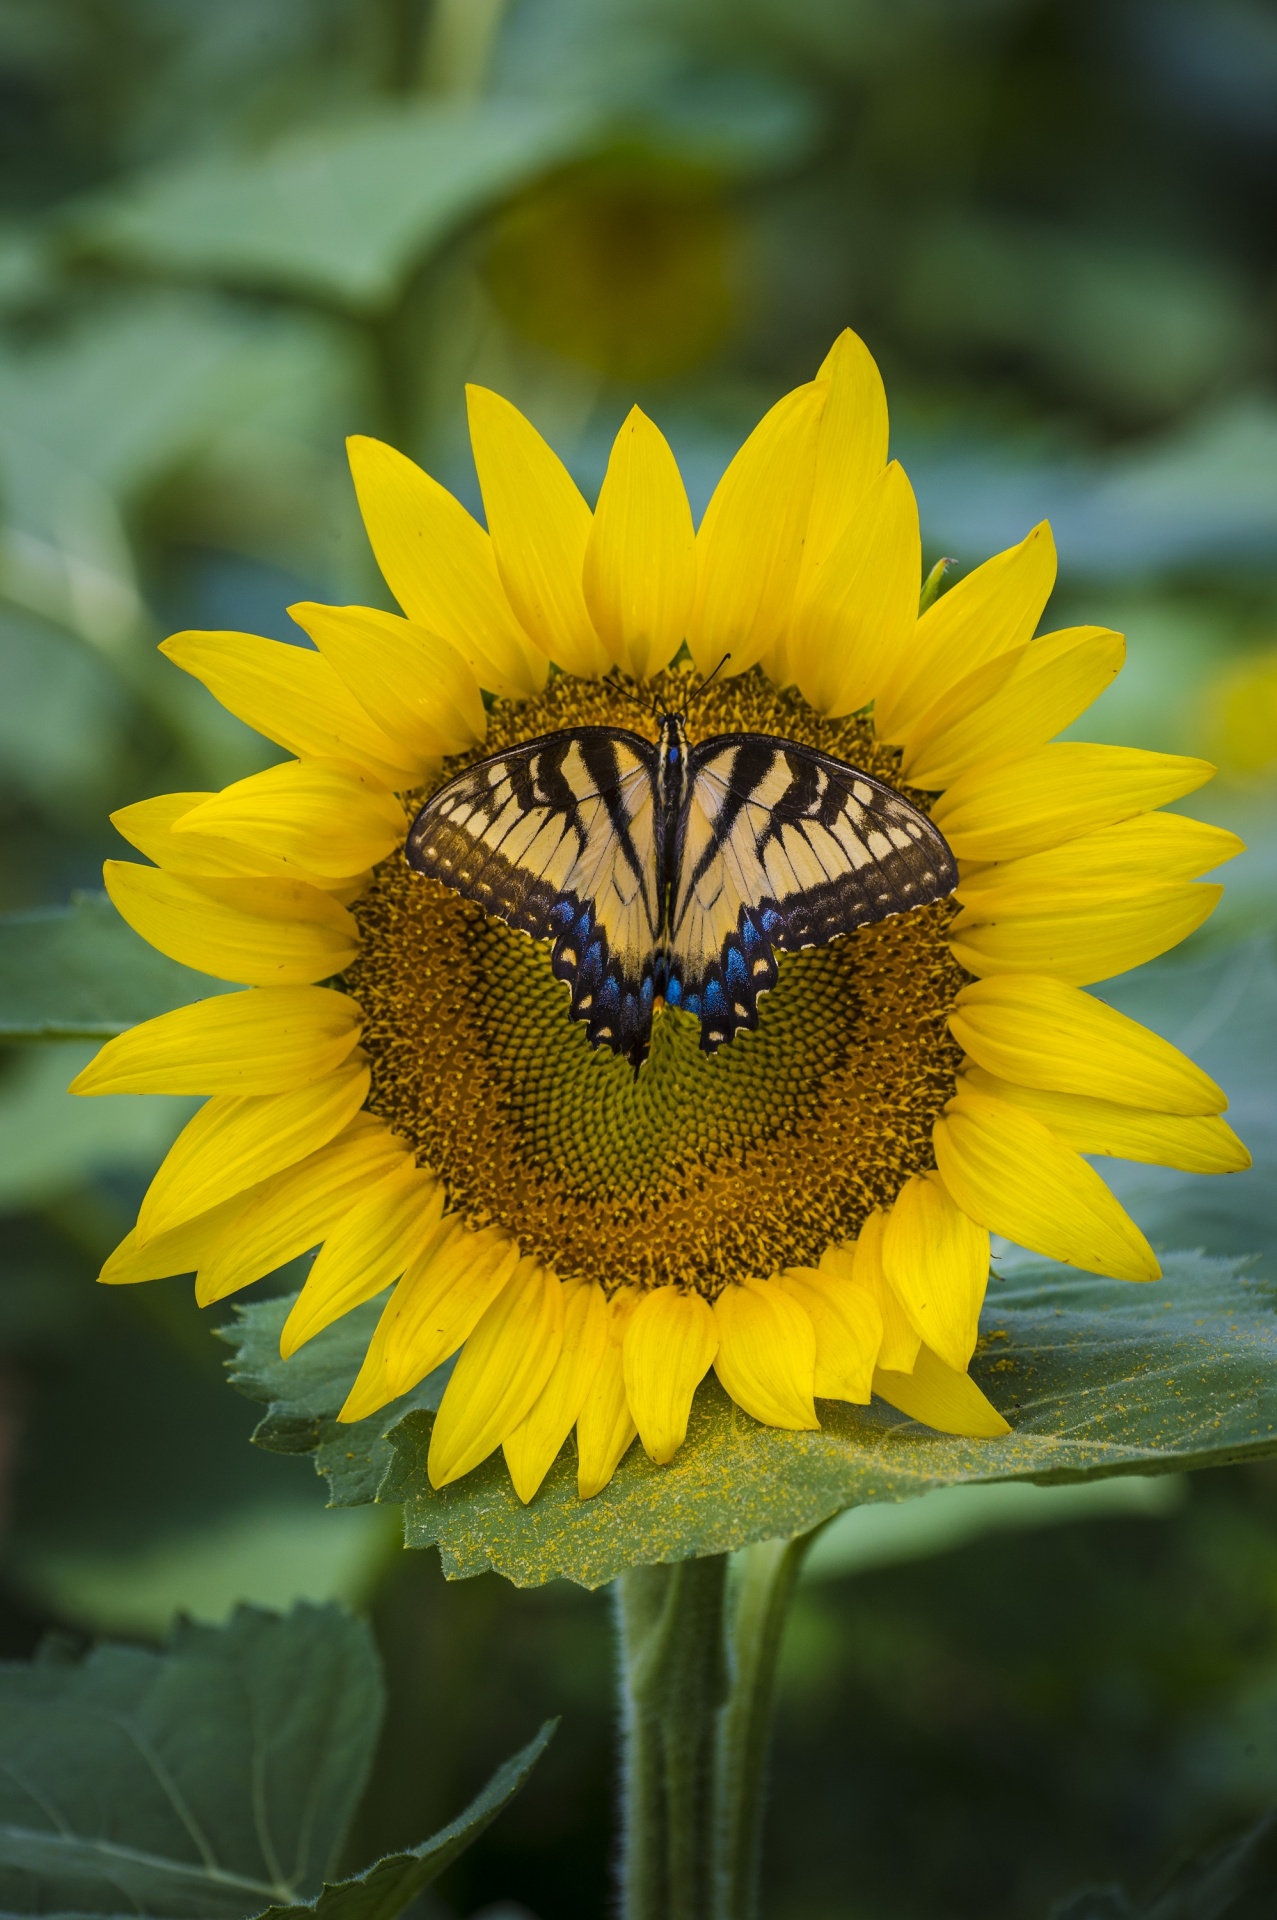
column 667, row 870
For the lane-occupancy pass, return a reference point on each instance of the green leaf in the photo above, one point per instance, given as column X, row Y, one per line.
column 208, row 1780
column 385, row 1889
column 343, row 212
column 1096, row 1377
column 304, row 1394
column 211, row 1781
column 52, row 1141
column 79, row 972
column 1234, row 1881
column 1220, row 1006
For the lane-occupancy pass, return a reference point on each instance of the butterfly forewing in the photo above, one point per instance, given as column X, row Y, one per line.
column 558, row 838
column 783, row 848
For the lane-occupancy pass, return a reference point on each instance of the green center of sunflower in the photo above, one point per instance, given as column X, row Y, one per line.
column 700, row 1169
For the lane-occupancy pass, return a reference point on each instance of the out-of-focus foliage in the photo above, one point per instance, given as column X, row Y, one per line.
column 231, row 235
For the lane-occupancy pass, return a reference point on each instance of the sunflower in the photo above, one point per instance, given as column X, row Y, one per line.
column 808, row 1210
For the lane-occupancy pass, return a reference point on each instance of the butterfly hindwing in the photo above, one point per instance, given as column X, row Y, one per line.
column 783, row 847
column 558, row 838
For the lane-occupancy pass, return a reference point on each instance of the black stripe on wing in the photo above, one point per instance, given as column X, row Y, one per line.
column 801, row 848
column 543, row 837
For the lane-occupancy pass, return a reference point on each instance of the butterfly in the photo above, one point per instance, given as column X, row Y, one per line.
column 663, row 870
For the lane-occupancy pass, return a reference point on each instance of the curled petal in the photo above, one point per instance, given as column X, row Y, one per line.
column 670, row 1341
column 766, row 1358
column 937, row 1261
column 940, row 1398
column 531, row 1449
column 503, row 1368
column 1009, row 1172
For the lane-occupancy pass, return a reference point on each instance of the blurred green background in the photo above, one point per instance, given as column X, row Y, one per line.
column 231, row 235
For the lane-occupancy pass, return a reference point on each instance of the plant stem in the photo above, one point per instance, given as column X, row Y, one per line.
column 673, row 1682
column 760, row 1593
column 698, row 1644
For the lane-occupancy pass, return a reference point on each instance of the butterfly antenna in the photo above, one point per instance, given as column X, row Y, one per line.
column 708, row 681
column 627, row 693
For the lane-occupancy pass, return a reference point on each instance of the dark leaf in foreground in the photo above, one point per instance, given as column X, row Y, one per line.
column 212, row 1781
column 1235, row 1881
column 385, row 1889
column 206, row 1780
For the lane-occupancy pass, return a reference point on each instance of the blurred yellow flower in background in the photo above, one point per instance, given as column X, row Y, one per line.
column 625, row 264
column 808, row 1212
column 1244, row 717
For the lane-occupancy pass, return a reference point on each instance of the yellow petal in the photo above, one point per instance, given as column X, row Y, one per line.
column 148, row 825
column 268, row 1040
column 640, row 563
column 670, row 1342
column 937, row 1262
column 1085, row 945
column 749, row 546
column 605, row 1427
column 1057, row 793
column 848, row 1328
column 311, row 814
column 179, row 1251
column 292, row 696
column 540, row 529
column 415, row 685
column 851, row 451
column 261, row 933
column 996, row 607
column 1112, row 863
column 437, row 1305
column 294, row 1210
column 369, row 1249
column 766, row 1357
column 503, row 1367
column 900, row 1338
column 858, row 610
column 437, row 561
column 1054, row 680
column 960, row 700
column 851, row 444
column 235, row 1141
column 1007, row 1171
column 940, row 1398
column 1198, row 1143
column 532, row 1448
column 1043, row 1033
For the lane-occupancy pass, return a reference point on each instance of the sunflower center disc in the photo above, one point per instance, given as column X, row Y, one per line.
column 701, row 1169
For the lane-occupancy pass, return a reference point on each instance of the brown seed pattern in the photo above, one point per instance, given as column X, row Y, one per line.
column 701, row 1170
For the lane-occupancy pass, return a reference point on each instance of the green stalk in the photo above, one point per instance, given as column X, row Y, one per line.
column 673, row 1685
column 698, row 1644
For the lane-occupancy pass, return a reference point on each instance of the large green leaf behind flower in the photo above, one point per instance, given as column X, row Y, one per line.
column 78, row 972
column 1096, row 1377
column 341, row 212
